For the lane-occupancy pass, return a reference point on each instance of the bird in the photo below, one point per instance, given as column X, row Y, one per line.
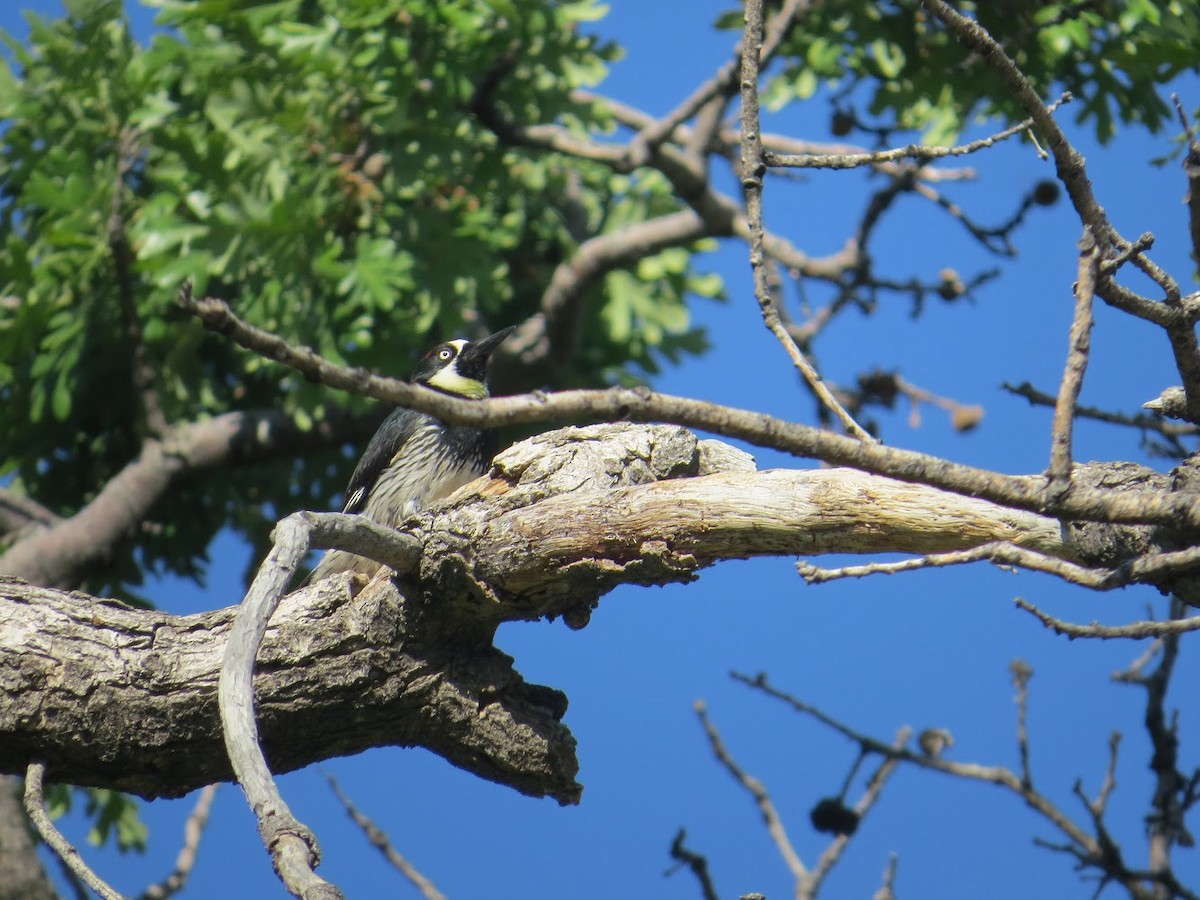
column 414, row 458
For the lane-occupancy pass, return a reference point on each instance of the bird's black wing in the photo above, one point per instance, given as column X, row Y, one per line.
column 392, row 435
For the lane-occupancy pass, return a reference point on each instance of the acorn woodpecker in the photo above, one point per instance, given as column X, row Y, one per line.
column 414, row 458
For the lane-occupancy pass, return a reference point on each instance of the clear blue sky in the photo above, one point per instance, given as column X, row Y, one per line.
column 925, row 649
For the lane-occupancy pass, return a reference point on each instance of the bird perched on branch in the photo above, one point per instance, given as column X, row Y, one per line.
column 414, row 458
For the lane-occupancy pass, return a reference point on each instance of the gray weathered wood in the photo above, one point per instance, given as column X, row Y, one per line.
column 118, row 697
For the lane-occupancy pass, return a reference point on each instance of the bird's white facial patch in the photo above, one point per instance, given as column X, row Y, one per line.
column 449, row 380
column 445, row 354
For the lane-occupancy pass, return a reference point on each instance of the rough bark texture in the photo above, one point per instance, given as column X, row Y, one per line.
column 117, row 697
column 572, row 513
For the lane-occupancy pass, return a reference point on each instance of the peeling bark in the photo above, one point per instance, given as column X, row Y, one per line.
column 112, row 696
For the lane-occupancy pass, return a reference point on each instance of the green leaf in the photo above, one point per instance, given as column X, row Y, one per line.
column 61, row 398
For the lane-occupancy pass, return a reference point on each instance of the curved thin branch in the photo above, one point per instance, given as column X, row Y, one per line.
column 59, row 556
column 292, row 845
column 35, row 806
column 550, row 334
column 640, row 405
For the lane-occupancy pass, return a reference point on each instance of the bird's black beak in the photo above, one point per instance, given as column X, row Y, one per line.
column 477, row 353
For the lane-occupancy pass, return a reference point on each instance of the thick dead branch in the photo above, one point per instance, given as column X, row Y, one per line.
column 127, row 698
column 565, row 517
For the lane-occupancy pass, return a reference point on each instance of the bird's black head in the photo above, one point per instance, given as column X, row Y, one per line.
column 459, row 367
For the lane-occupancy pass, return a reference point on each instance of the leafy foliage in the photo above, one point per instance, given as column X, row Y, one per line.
column 316, row 164
column 114, row 815
column 1112, row 55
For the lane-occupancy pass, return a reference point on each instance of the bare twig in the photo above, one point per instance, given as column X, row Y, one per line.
column 723, row 83
column 1135, row 673
column 193, row 830
column 1069, row 162
column 697, row 864
column 911, row 151
column 752, row 170
column 380, row 841
column 997, row 775
column 887, row 890
column 1077, row 358
column 1135, row 630
column 1148, row 568
column 1101, row 852
column 756, row 790
column 829, row 858
column 1144, row 421
column 995, row 239
column 777, row 144
column 1191, row 169
column 35, row 806
column 1165, row 824
column 1110, row 774
column 1072, row 172
column 1022, row 674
